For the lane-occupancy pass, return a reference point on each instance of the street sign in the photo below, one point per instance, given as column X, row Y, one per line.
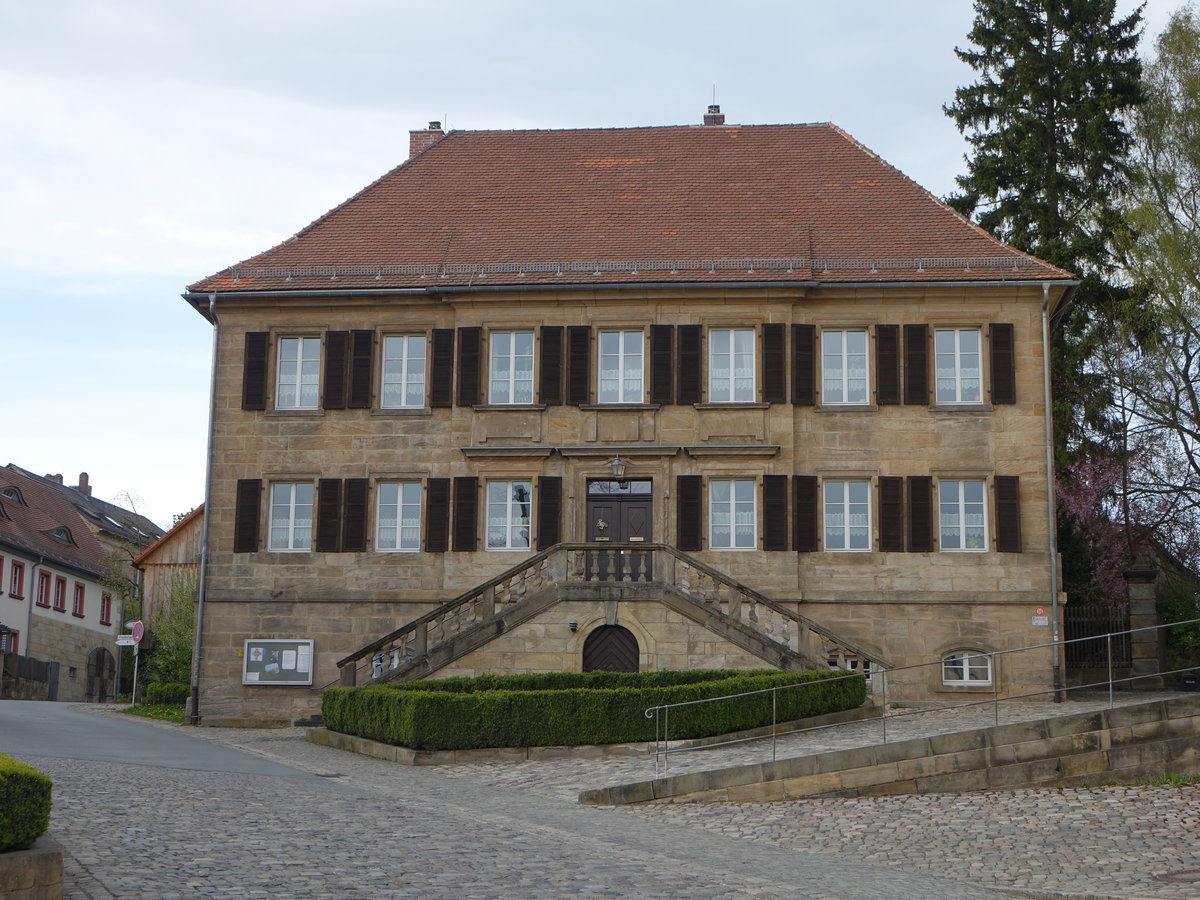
column 125, row 640
column 137, row 630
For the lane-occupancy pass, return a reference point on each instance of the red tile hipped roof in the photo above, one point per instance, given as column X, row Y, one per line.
column 635, row 205
column 27, row 527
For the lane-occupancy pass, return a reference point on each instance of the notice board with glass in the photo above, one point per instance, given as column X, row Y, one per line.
column 277, row 662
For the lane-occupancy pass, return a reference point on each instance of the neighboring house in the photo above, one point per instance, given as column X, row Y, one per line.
column 171, row 562
column 645, row 398
column 53, row 605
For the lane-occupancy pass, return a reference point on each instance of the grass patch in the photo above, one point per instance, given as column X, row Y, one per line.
column 163, row 712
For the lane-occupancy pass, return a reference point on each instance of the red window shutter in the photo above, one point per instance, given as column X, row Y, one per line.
column 549, row 511
column 254, row 371
column 354, row 515
column 329, row 515
column 245, row 515
column 466, row 502
column 774, row 364
column 806, row 526
column 579, row 354
column 887, row 364
column 441, row 376
column 689, row 364
column 920, row 514
column 1004, row 369
column 891, row 514
column 333, row 395
column 550, row 383
column 804, row 365
column 689, row 512
column 362, row 349
column 470, row 344
column 1008, row 514
column 437, row 515
column 916, row 365
column 775, row 512
column 662, row 364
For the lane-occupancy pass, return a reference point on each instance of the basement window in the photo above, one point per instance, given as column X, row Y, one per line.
column 966, row 668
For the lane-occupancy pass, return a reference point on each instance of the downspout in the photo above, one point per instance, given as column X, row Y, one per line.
column 202, row 584
column 1051, row 518
column 32, row 595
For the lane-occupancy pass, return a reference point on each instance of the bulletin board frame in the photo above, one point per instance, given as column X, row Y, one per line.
column 271, row 661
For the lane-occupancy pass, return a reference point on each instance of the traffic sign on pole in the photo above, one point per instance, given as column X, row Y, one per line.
column 137, row 630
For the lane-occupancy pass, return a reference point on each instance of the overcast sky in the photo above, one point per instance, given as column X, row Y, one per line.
column 145, row 144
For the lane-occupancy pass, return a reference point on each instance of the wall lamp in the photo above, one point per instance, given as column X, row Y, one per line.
column 574, row 626
column 618, row 467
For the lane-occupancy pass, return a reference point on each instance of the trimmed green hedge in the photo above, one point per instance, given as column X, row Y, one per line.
column 24, row 804
column 563, row 709
column 166, row 693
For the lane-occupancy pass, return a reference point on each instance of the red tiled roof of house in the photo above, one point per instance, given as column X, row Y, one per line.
column 635, row 205
column 30, row 526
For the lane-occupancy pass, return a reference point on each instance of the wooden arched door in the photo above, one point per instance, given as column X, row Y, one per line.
column 101, row 676
column 610, row 648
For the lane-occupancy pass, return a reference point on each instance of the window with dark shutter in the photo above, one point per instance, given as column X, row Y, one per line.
column 362, row 364
column 920, row 514
column 804, row 365
column 887, row 364
column 441, row 393
column 333, row 395
column 549, row 511
column 774, row 365
column 1008, row 514
column 916, row 365
column 579, row 354
column 1004, row 370
column 437, row 515
column 354, row 515
column 254, row 371
column 805, row 528
column 891, row 514
column 466, row 503
column 689, row 512
column 688, row 381
column 329, row 515
column 775, row 512
column 246, row 515
column 550, row 385
column 662, row 364
column 470, row 343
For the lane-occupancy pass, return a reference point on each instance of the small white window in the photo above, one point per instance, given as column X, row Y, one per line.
column 733, row 515
column 958, row 365
column 621, row 367
column 508, row 507
column 299, row 373
column 844, row 375
column 403, row 371
column 847, row 515
column 291, row 517
column 731, row 365
column 511, row 359
column 962, row 516
column 966, row 667
column 398, row 516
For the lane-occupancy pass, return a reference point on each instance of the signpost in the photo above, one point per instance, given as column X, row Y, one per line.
column 136, row 631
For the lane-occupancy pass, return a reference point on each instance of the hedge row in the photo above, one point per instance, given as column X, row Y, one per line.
column 24, row 804
column 563, row 709
column 166, row 693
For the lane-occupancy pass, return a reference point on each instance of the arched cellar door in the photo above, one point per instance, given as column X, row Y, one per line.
column 101, row 676
column 610, row 648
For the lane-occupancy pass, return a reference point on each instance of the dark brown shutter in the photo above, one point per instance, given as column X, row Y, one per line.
column 689, row 512
column 887, row 364
column 466, row 503
column 775, row 512
column 246, row 515
column 804, row 365
column 579, row 355
column 920, row 514
column 329, row 515
column 1008, row 514
column 806, row 505
column 470, row 343
column 549, row 511
column 362, row 350
column 437, row 515
column 354, row 515
column 550, row 385
column 1004, row 370
column 662, row 364
column 333, row 395
column 254, row 371
column 441, row 381
column 891, row 514
column 774, row 364
column 689, row 364
column 916, row 365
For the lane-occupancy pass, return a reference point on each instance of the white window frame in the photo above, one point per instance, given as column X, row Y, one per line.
column 954, row 515
column 288, row 507
column 398, row 518
column 959, row 666
column 844, row 508
column 842, row 382
column 738, row 510
column 402, row 366
column 729, row 382
column 505, row 388
column 951, row 385
column 291, row 378
column 509, row 518
column 628, row 390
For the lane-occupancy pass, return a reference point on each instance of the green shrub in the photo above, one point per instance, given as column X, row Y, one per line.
column 170, row 693
column 562, row 709
column 24, row 804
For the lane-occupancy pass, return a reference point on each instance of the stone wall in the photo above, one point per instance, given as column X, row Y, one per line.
column 67, row 644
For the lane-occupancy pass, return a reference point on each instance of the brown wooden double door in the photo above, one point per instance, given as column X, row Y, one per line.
column 620, row 512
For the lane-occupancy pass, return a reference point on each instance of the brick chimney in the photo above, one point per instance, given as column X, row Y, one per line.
column 57, row 479
column 714, row 116
column 423, row 140
column 83, row 487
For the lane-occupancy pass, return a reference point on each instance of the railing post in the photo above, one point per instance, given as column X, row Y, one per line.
column 774, row 719
column 421, row 639
column 1108, row 641
column 993, row 667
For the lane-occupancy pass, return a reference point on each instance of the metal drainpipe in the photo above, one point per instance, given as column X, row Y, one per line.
column 32, row 597
column 202, row 584
column 1051, row 519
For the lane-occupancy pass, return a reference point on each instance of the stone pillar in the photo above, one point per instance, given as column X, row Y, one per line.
column 1142, row 579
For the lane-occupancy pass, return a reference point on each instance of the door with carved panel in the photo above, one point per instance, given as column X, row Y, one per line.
column 620, row 512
